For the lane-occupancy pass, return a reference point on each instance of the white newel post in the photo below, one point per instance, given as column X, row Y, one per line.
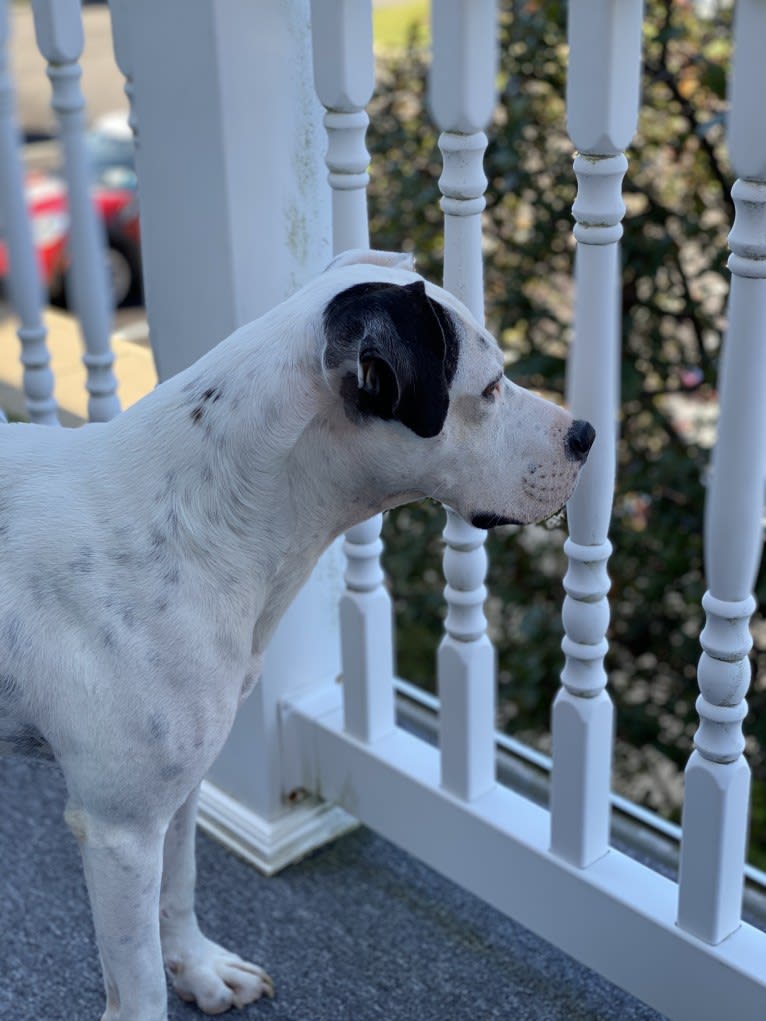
column 235, row 216
column 602, row 109
column 24, row 277
column 58, row 28
column 462, row 96
column 717, row 779
column 344, row 76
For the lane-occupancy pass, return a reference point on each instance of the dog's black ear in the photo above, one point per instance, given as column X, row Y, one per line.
column 405, row 349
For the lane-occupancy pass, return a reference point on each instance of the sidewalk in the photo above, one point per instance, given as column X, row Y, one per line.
column 133, row 367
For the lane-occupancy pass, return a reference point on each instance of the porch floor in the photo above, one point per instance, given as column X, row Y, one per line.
column 358, row 931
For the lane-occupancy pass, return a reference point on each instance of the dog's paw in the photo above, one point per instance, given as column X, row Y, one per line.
column 216, row 979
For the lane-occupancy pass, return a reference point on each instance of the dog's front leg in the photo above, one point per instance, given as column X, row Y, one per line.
column 200, row 969
column 123, row 868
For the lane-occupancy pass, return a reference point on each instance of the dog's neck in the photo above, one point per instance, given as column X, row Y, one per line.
column 248, row 488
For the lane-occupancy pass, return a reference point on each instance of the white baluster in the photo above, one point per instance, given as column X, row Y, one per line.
column 466, row 666
column 124, row 23
column 602, row 107
column 717, row 779
column 344, row 76
column 58, row 27
column 24, row 277
column 462, row 96
column 366, row 645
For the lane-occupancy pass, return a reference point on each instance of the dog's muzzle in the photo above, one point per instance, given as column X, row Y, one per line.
column 579, row 439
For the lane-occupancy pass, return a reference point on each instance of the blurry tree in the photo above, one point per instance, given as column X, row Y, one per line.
column 674, row 288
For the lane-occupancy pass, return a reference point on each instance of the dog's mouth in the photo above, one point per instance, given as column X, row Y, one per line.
column 485, row 520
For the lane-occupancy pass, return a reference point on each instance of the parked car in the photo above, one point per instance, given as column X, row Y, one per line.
column 47, row 206
column 111, row 153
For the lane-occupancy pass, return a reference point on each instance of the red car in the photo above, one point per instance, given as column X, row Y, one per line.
column 47, row 206
column 110, row 147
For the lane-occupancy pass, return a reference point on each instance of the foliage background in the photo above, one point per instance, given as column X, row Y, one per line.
column 677, row 194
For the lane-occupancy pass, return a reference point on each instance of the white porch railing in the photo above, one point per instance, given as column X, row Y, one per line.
column 58, row 28
column 682, row 948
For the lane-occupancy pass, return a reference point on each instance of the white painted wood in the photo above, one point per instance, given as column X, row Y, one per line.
column 462, row 185
column 235, row 215
column 582, row 716
column 618, row 916
column 527, row 770
column 270, row 845
column 58, row 28
column 717, row 779
column 747, row 143
column 123, row 27
column 603, row 77
column 234, row 208
column 602, row 110
column 462, row 96
column 344, row 76
column 462, row 80
column 466, row 667
column 23, row 276
column 366, row 637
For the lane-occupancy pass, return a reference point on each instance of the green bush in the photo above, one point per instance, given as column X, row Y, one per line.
column 674, row 286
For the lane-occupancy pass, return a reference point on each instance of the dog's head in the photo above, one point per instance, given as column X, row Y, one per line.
column 406, row 357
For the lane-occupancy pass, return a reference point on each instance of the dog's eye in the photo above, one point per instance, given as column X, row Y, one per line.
column 493, row 390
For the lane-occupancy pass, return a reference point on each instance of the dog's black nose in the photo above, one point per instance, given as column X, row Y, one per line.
column 579, row 439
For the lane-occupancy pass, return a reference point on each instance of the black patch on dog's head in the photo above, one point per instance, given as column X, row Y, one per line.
column 405, row 347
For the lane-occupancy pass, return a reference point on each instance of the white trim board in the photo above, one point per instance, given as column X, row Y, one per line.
column 270, row 845
column 617, row 916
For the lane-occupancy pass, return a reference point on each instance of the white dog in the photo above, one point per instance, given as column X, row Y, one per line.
column 144, row 564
